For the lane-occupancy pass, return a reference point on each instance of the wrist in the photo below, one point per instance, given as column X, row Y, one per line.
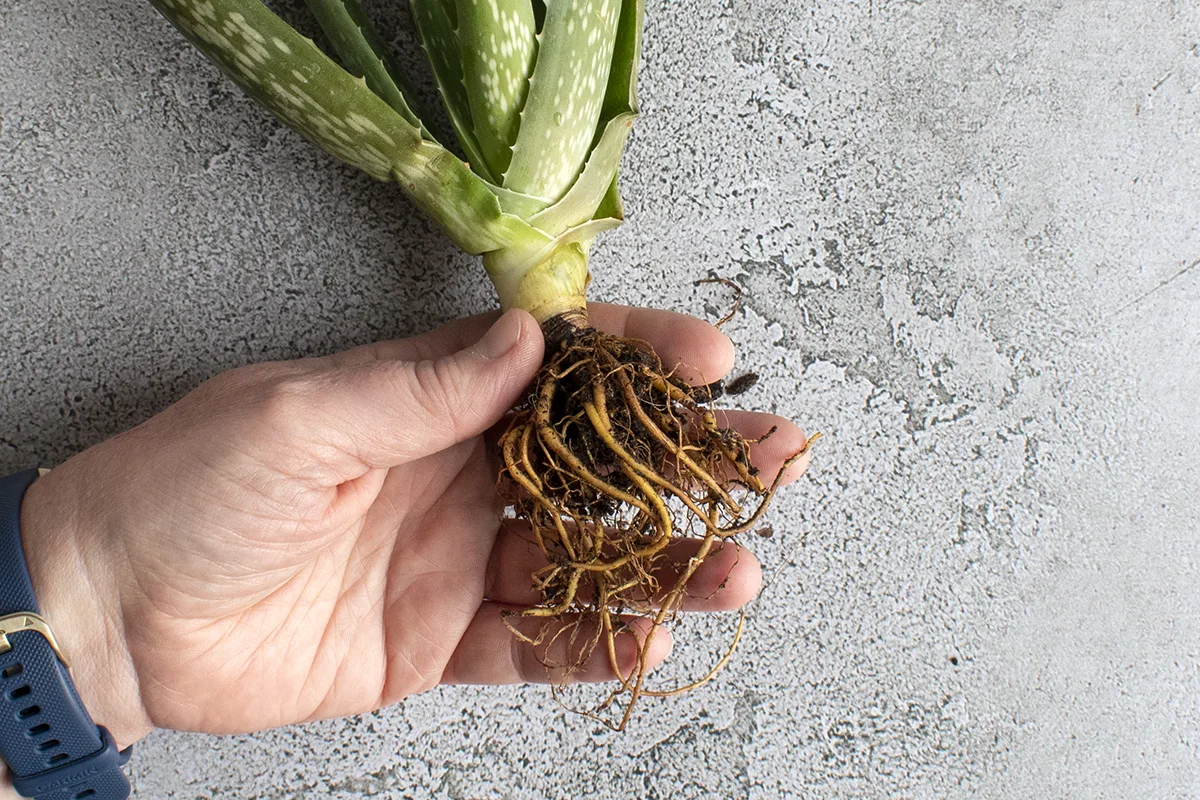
column 67, row 551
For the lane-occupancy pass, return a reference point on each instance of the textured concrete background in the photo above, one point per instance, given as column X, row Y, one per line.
column 970, row 235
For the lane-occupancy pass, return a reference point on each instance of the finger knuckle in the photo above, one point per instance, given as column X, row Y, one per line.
column 271, row 397
column 283, row 401
column 439, row 390
column 224, row 396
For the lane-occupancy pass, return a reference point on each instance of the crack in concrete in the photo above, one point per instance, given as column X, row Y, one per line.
column 1161, row 285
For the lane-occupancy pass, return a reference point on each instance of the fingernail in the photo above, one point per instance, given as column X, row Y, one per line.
column 502, row 337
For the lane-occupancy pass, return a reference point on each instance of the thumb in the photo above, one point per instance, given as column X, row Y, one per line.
column 399, row 411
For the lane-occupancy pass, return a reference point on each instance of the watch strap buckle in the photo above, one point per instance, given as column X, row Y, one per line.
column 28, row 621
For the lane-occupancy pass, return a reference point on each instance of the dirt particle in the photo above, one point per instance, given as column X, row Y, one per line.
column 741, row 385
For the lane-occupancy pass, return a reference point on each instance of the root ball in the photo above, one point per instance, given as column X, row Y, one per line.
column 610, row 460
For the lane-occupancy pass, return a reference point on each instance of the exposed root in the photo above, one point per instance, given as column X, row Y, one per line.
column 737, row 298
column 611, row 460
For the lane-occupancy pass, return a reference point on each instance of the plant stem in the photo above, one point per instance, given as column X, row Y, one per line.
column 547, row 285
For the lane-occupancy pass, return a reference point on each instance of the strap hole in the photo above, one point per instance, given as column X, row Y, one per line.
column 14, row 671
column 49, row 744
column 38, row 730
column 58, row 758
column 19, row 692
column 30, row 711
column 85, row 793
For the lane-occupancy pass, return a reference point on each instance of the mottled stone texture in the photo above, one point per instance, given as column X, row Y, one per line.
column 969, row 234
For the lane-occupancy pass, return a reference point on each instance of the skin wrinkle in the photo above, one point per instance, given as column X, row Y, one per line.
column 441, row 572
column 297, row 626
column 329, row 630
column 151, row 687
column 136, row 579
column 431, row 641
column 429, row 386
column 364, row 577
column 286, row 509
column 351, row 657
column 441, row 397
column 111, row 657
column 205, row 563
column 157, row 688
column 283, row 509
column 353, row 495
column 271, row 640
column 427, row 518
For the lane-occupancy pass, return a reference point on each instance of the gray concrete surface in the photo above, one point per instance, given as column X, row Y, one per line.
column 970, row 234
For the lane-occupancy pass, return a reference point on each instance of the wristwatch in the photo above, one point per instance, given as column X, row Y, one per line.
column 53, row 749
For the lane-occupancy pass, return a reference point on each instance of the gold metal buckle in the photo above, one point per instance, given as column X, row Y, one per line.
column 17, row 623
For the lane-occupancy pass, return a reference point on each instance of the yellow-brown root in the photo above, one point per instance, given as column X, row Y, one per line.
column 611, row 460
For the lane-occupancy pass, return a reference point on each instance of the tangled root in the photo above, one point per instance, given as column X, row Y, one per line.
column 611, row 460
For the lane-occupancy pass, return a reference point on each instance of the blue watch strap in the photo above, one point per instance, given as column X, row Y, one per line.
column 53, row 749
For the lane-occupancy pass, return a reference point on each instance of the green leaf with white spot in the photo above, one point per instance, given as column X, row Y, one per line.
column 289, row 75
column 436, row 26
column 570, row 80
column 364, row 55
column 583, row 198
column 498, row 44
column 598, row 179
column 461, row 202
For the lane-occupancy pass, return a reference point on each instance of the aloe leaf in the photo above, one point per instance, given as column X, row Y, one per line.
column 498, row 43
column 291, row 77
column 363, row 54
column 569, row 83
column 611, row 206
column 584, row 234
column 546, row 275
column 536, row 250
column 583, row 198
column 545, row 281
column 621, row 95
column 522, row 205
column 461, row 202
column 436, row 25
column 598, row 178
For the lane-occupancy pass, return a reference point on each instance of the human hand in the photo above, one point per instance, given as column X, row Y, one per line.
column 317, row 538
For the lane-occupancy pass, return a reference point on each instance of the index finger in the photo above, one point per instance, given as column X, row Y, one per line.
column 697, row 350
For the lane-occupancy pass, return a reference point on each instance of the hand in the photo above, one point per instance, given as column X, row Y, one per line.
column 317, row 538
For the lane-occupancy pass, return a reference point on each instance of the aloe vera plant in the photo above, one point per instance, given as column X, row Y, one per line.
column 612, row 457
column 542, row 117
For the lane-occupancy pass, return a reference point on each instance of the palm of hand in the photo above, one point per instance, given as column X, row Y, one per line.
column 352, row 599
